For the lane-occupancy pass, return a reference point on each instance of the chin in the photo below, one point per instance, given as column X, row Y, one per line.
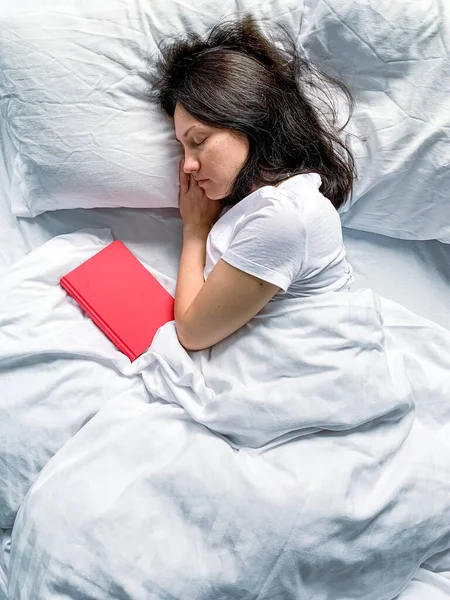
column 214, row 194
column 214, row 191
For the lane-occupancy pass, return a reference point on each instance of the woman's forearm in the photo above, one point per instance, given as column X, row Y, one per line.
column 192, row 263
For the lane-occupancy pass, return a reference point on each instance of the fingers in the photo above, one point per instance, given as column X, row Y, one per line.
column 183, row 177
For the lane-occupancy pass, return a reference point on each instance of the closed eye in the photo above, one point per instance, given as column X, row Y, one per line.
column 198, row 144
column 193, row 143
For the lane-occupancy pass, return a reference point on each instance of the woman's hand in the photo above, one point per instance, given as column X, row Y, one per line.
column 209, row 311
column 196, row 208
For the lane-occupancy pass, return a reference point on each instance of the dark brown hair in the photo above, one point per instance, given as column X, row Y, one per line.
column 240, row 79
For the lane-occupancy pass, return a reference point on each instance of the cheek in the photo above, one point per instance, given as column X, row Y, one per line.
column 240, row 152
column 216, row 161
column 222, row 161
column 230, row 156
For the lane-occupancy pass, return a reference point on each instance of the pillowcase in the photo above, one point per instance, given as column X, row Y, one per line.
column 74, row 81
column 86, row 135
column 394, row 56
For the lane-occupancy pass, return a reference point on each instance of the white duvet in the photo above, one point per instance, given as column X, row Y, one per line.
column 306, row 457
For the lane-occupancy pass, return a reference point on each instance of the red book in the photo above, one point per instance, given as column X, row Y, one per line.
column 121, row 297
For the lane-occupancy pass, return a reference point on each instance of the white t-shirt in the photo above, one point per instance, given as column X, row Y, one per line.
column 288, row 235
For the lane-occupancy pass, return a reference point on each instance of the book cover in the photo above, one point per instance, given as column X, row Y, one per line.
column 122, row 298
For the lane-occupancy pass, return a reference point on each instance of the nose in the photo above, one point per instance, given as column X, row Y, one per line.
column 191, row 164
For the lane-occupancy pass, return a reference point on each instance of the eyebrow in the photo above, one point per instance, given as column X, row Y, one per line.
column 186, row 132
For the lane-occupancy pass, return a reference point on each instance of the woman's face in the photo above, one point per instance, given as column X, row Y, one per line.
column 213, row 156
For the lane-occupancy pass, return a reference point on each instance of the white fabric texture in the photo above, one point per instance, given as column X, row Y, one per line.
column 427, row 585
column 85, row 135
column 395, row 57
column 33, row 301
column 306, row 456
column 5, row 545
column 290, row 236
column 76, row 101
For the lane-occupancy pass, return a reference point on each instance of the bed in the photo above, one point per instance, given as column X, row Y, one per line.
column 81, row 420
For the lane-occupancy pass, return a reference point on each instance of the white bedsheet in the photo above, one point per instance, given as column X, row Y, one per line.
column 306, row 456
column 415, row 273
column 425, row 585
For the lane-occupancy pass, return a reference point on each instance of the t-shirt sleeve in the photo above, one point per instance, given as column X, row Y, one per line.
column 269, row 242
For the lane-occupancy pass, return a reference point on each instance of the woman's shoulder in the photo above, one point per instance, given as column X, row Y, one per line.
column 303, row 189
column 297, row 193
column 303, row 181
column 295, row 198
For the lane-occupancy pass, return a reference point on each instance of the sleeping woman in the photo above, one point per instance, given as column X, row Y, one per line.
column 263, row 174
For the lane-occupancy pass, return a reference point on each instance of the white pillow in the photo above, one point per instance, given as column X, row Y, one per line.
column 75, row 102
column 86, row 136
column 394, row 55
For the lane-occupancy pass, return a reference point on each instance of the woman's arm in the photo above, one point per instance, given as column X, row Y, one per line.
column 190, row 272
column 207, row 312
